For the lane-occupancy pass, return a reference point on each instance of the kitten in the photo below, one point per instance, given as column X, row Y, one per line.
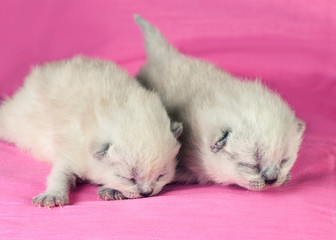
column 235, row 132
column 91, row 120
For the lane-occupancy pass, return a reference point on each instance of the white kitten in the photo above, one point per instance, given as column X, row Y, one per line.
column 235, row 132
column 92, row 121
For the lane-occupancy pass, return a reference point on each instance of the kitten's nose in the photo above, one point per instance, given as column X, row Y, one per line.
column 146, row 194
column 270, row 181
column 271, row 175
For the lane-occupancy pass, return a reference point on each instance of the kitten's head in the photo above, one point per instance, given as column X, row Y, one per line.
column 254, row 144
column 136, row 152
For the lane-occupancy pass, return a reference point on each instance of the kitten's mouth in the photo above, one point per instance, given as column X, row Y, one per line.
column 251, row 186
column 131, row 195
column 259, row 185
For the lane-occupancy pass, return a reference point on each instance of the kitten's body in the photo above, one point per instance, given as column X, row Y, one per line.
column 235, row 132
column 91, row 120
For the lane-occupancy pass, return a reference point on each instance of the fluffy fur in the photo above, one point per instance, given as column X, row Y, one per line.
column 235, row 132
column 91, row 120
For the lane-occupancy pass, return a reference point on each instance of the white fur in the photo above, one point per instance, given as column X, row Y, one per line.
column 263, row 129
column 68, row 112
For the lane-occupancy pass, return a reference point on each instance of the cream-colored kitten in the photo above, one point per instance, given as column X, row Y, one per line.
column 93, row 121
column 235, row 132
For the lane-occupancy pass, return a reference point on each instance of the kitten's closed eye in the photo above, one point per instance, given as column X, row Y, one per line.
column 102, row 153
column 253, row 167
column 129, row 179
column 284, row 162
column 132, row 180
column 160, row 177
column 221, row 141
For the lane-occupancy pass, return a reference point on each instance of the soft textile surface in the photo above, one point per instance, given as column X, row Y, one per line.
column 291, row 45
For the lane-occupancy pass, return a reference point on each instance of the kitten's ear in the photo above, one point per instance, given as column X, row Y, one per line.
column 102, row 152
column 221, row 142
column 301, row 126
column 176, row 128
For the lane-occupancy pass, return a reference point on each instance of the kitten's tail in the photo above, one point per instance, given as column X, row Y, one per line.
column 156, row 45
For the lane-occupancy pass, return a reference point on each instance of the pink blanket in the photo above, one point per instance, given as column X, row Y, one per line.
column 291, row 45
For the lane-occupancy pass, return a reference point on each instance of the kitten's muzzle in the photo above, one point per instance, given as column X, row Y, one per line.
column 270, row 175
column 270, row 181
column 146, row 188
column 146, row 194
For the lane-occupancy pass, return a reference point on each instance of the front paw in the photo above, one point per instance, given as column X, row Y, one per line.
column 50, row 200
column 110, row 194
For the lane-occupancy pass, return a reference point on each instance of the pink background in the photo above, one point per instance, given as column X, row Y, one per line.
column 291, row 45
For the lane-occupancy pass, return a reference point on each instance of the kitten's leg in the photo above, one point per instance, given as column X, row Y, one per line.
column 110, row 194
column 59, row 182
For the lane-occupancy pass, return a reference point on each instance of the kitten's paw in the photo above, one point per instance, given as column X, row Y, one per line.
column 50, row 200
column 110, row 194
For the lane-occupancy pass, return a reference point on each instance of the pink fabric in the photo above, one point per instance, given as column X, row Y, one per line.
column 291, row 45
